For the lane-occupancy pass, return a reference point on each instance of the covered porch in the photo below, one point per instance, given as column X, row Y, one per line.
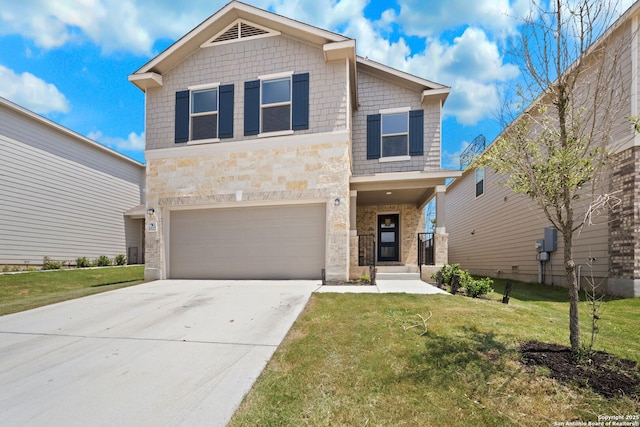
column 387, row 221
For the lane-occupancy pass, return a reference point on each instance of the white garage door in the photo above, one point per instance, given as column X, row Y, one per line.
column 274, row 242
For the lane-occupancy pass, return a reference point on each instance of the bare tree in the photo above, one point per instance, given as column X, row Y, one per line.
column 555, row 152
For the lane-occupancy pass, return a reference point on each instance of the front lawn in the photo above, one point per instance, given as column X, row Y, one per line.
column 368, row 360
column 23, row 291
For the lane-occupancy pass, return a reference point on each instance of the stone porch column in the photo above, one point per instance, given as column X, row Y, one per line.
column 353, row 230
column 441, row 238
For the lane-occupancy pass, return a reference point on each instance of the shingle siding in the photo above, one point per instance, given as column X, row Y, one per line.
column 374, row 95
column 219, row 64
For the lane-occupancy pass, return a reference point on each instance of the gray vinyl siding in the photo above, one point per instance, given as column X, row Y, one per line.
column 61, row 196
column 237, row 63
column 505, row 228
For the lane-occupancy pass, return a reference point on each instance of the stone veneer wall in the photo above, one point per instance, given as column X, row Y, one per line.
column 624, row 224
column 411, row 223
column 210, row 176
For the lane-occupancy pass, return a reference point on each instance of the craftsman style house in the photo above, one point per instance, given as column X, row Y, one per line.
column 273, row 151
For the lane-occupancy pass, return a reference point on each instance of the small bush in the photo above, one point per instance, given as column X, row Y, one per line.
column 448, row 271
column 365, row 279
column 120, row 259
column 48, row 264
column 83, row 262
column 102, row 261
column 474, row 288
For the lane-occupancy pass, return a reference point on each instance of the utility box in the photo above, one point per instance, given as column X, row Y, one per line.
column 543, row 256
column 539, row 245
column 550, row 239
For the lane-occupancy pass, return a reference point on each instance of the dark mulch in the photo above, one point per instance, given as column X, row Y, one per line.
column 604, row 373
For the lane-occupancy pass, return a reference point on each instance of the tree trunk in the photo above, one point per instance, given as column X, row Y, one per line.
column 574, row 291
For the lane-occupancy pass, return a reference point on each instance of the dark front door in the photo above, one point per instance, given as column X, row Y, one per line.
column 388, row 228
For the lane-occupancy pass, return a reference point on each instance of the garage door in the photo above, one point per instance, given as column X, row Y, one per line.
column 275, row 242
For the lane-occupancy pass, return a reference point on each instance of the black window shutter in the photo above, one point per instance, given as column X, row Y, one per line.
column 416, row 133
column 373, row 136
column 300, row 102
column 252, row 107
column 182, row 116
column 225, row 113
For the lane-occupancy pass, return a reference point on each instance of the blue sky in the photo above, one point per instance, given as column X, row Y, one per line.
column 68, row 60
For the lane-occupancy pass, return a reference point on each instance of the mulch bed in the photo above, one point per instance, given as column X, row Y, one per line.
column 604, row 373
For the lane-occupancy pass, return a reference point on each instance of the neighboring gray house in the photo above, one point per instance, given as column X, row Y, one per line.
column 64, row 196
column 494, row 232
column 273, row 150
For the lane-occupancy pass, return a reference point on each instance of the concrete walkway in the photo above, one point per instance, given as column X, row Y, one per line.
column 387, row 286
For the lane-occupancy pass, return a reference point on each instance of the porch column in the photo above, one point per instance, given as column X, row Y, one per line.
column 353, row 234
column 441, row 238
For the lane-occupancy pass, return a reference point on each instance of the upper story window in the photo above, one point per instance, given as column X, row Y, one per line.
column 204, row 113
column 479, row 182
column 395, row 134
column 275, row 105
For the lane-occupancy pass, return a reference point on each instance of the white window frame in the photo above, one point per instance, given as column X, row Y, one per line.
column 199, row 88
column 387, row 111
column 478, row 181
column 271, row 77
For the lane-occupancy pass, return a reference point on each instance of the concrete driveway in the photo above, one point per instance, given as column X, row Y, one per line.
column 164, row 353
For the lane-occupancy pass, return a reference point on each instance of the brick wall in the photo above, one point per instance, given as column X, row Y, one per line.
column 624, row 224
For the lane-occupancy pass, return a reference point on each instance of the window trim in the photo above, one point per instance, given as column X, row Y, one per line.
column 389, row 111
column 199, row 88
column 479, row 181
column 271, row 77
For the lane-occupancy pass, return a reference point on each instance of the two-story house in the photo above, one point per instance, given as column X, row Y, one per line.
column 272, row 149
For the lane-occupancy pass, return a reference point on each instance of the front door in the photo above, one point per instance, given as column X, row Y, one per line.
column 388, row 233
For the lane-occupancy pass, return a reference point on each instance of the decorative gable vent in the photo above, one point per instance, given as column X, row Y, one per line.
column 239, row 31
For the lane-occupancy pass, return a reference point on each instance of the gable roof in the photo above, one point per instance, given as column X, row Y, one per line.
column 221, row 28
column 5, row 103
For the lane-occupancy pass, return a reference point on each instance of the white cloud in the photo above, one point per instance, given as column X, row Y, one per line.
column 431, row 17
column 32, row 92
column 133, row 142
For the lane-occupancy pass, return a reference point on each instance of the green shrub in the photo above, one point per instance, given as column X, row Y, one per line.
column 83, row 262
column 447, row 271
column 102, row 261
column 48, row 264
column 365, row 279
column 120, row 259
column 476, row 287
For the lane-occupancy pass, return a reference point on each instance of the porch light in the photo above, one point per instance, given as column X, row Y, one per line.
column 150, row 211
column 337, row 201
column 388, row 193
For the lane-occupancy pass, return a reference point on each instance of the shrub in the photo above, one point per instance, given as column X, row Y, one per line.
column 120, row 259
column 102, row 261
column 48, row 264
column 83, row 262
column 365, row 279
column 448, row 271
column 476, row 287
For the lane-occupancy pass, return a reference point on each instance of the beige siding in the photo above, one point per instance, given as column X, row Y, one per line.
column 237, row 63
column 61, row 197
column 495, row 234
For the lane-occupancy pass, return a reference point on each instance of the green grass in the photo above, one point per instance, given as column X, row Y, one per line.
column 363, row 360
column 24, row 291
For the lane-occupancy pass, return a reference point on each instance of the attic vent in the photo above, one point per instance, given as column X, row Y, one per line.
column 247, row 30
column 239, row 31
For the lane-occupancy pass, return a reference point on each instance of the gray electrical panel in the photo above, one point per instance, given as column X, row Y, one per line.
column 550, row 239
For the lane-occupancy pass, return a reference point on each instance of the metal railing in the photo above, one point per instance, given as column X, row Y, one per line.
column 367, row 250
column 426, row 249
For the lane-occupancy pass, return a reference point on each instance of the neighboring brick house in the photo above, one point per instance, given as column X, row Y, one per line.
column 493, row 231
column 271, row 147
column 64, row 196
